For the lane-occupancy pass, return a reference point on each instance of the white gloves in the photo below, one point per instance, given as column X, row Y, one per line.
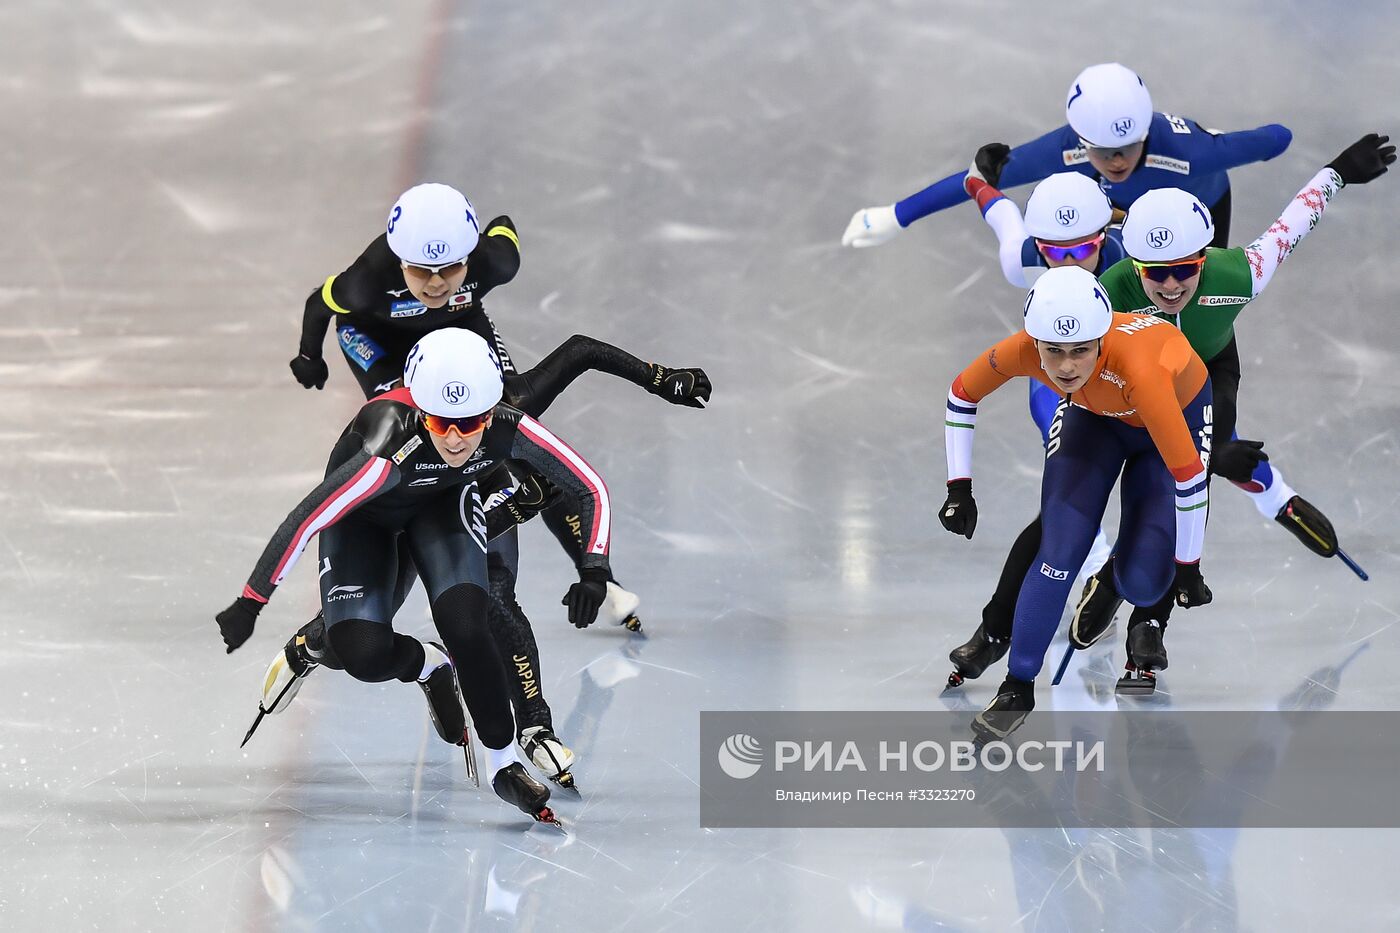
column 871, row 226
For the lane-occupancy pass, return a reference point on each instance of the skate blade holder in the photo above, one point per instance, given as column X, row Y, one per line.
column 633, row 625
column 955, row 680
column 547, row 816
column 1137, row 682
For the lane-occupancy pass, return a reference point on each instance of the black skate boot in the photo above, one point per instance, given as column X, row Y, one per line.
column 979, row 653
column 1008, row 709
column 444, row 702
column 289, row 669
column 1147, row 653
column 1309, row 526
column 514, row 785
column 543, row 748
column 445, row 706
column 1098, row 604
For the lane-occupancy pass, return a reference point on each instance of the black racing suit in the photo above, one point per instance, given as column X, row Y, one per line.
column 385, row 483
column 377, row 319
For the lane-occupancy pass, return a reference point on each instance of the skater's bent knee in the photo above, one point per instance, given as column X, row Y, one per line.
column 365, row 648
column 1140, row 585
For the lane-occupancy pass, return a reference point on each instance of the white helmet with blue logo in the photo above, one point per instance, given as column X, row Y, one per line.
column 1067, row 305
column 1108, row 106
column 432, row 225
column 1067, row 206
column 1166, row 224
column 452, row 373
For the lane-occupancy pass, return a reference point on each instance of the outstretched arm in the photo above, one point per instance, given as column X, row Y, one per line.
column 1364, row 160
column 1004, row 217
column 355, row 482
column 534, row 391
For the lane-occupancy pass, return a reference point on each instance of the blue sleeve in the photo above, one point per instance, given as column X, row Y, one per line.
column 1029, row 162
column 1218, row 153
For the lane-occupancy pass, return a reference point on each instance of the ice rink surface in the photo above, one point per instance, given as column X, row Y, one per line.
column 176, row 178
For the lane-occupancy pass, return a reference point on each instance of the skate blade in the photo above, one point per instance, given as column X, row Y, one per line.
column 1355, row 567
column 955, row 680
column 633, row 625
column 470, row 751
column 254, row 727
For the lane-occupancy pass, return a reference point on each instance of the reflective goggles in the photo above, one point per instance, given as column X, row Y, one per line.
column 1181, row 270
column 440, row 425
column 1077, row 251
column 447, row 271
column 1129, row 151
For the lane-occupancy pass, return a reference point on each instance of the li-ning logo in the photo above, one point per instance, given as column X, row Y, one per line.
column 1052, row 573
column 1066, row 326
column 345, row 592
column 454, row 393
column 1159, row 237
column 740, row 756
column 435, row 249
column 1066, row 216
column 1123, row 126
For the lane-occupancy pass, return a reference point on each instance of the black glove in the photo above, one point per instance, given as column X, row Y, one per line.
column 959, row 512
column 236, row 622
column 585, row 596
column 311, row 373
column 533, row 496
column 1236, row 460
column 990, row 160
column 689, row 387
column 1364, row 159
column 1189, row 588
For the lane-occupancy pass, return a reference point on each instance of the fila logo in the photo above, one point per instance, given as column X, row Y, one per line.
column 1052, row 573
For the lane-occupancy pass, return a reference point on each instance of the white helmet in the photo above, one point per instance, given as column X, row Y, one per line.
column 452, row 373
column 1165, row 224
column 1067, row 305
column 1108, row 106
column 1067, row 206
column 432, row 225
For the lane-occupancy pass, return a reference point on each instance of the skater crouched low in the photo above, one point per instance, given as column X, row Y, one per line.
column 406, row 467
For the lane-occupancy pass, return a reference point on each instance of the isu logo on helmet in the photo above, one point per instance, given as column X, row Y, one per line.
column 1159, row 237
column 1123, row 126
column 1066, row 216
column 435, row 249
column 1066, row 326
column 455, row 393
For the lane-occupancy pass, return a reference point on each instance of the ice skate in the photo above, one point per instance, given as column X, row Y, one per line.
column 1008, row 709
column 1098, row 604
column 1147, row 654
column 289, row 669
column 514, row 785
column 980, row 652
column 444, row 702
column 555, row 759
column 1306, row 523
column 620, row 608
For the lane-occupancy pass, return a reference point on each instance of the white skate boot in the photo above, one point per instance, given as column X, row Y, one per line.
column 551, row 756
